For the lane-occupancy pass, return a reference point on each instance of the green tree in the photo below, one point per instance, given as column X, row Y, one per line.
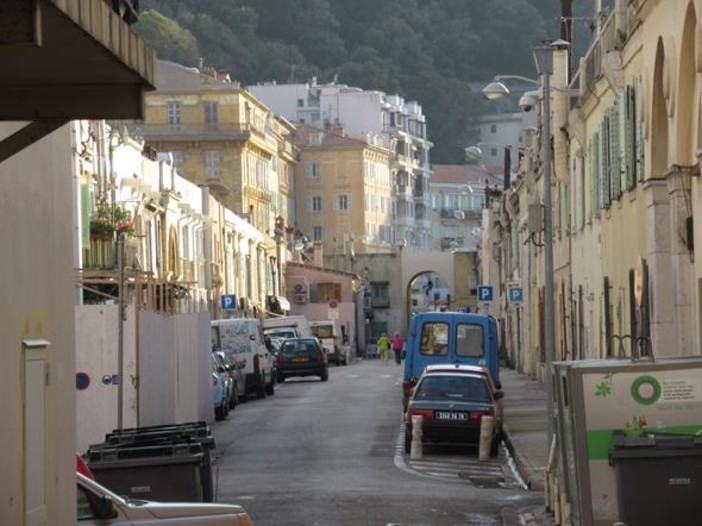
column 171, row 41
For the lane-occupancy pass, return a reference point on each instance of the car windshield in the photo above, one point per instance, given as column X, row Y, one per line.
column 456, row 387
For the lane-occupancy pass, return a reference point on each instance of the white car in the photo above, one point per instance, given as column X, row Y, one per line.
column 99, row 506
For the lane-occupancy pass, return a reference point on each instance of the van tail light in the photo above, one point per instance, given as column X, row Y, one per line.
column 256, row 363
column 426, row 414
column 476, row 417
column 320, row 357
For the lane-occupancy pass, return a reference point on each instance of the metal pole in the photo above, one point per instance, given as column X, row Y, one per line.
column 120, row 328
column 544, row 63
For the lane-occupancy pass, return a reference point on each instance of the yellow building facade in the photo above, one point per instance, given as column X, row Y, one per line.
column 220, row 136
column 343, row 191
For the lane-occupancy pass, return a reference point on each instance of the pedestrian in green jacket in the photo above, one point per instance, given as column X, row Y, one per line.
column 384, row 348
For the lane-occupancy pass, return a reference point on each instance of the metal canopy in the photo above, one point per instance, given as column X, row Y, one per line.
column 69, row 59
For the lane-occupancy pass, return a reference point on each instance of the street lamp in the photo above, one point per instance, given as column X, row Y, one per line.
column 494, row 91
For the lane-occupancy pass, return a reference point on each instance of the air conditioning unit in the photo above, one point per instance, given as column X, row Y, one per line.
column 301, row 298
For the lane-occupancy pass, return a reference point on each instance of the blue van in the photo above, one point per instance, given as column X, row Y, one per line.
column 450, row 337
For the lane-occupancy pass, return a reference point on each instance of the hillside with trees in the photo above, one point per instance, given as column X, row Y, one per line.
column 438, row 52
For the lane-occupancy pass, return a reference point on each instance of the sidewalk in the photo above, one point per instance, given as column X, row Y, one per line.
column 526, row 436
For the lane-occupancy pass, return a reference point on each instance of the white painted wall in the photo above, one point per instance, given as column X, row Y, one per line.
column 36, row 279
column 173, row 370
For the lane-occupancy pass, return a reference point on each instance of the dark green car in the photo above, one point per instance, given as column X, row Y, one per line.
column 301, row 357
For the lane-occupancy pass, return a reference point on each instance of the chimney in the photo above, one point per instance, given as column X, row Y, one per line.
column 318, row 257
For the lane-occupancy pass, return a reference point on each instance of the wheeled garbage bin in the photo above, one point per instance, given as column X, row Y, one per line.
column 159, row 471
column 659, row 479
column 173, row 433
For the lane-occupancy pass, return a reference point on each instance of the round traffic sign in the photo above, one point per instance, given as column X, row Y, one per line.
column 333, row 304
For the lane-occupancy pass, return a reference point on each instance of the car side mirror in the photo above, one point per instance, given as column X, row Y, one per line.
column 499, row 395
column 498, row 385
column 106, row 508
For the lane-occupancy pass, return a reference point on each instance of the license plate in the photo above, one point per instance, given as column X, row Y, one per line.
column 450, row 415
column 300, row 359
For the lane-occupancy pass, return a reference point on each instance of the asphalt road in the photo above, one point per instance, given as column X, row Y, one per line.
column 330, row 453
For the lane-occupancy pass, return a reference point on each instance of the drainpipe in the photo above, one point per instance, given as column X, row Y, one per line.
column 207, row 229
column 77, row 210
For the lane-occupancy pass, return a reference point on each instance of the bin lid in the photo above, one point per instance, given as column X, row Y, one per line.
column 654, row 444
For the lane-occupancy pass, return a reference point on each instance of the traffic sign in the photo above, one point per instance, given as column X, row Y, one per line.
column 228, row 302
column 516, row 295
column 485, row 294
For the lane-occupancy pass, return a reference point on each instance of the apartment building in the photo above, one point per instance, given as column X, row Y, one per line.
column 377, row 118
column 222, row 137
column 344, row 192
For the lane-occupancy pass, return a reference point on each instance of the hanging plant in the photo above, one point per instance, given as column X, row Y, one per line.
column 109, row 220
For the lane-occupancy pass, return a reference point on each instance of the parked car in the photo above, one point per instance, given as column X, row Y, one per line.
column 226, row 377
column 98, row 505
column 453, row 404
column 473, row 369
column 302, row 357
column 243, row 337
column 237, row 378
column 219, row 391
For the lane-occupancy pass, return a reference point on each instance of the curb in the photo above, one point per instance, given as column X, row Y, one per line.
column 522, row 464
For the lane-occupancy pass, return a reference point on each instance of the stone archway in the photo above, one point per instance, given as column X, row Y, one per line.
column 686, row 100
column 659, row 114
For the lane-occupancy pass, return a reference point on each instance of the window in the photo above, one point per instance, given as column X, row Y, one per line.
column 469, row 340
column 317, row 233
column 212, row 169
column 211, row 117
column 314, row 203
column 300, row 103
column 342, row 202
column 173, row 112
column 313, row 170
column 434, row 340
column 493, row 128
column 493, row 152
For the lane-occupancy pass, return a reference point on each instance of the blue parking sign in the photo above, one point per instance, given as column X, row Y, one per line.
column 485, row 294
column 228, row 302
column 516, row 295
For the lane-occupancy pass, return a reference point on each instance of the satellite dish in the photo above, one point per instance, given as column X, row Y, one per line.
column 459, row 214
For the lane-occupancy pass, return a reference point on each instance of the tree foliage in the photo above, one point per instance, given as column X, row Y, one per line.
column 431, row 51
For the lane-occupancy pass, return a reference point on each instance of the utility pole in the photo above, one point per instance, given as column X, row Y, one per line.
column 122, row 300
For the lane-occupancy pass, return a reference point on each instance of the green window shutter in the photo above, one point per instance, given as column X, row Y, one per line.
column 603, row 186
column 615, row 153
column 638, row 141
column 629, row 123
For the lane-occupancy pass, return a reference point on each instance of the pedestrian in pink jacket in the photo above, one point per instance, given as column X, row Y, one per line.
column 397, row 343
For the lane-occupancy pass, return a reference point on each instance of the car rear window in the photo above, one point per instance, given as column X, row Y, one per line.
column 323, row 332
column 297, row 347
column 462, row 388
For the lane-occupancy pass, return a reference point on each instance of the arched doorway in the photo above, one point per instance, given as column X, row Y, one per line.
column 426, row 290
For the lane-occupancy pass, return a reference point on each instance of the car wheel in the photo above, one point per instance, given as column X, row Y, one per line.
column 219, row 412
column 495, row 447
column 324, row 376
column 270, row 388
column 261, row 389
column 234, row 400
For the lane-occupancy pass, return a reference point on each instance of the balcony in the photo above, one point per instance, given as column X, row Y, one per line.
column 102, row 254
column 193, row 132
column 380, row 302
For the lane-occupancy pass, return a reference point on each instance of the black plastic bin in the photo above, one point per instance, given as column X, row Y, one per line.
column 150, row 471
column 128, row 449
column 659, row 479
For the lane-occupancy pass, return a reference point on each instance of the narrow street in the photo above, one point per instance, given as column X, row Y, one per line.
column 332, row 453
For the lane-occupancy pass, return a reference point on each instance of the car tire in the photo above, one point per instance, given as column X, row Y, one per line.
column 261, row 389
column 495, row 447
column 270, row 387
column 324, row 376
column 219, row 413
column 234, row 400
